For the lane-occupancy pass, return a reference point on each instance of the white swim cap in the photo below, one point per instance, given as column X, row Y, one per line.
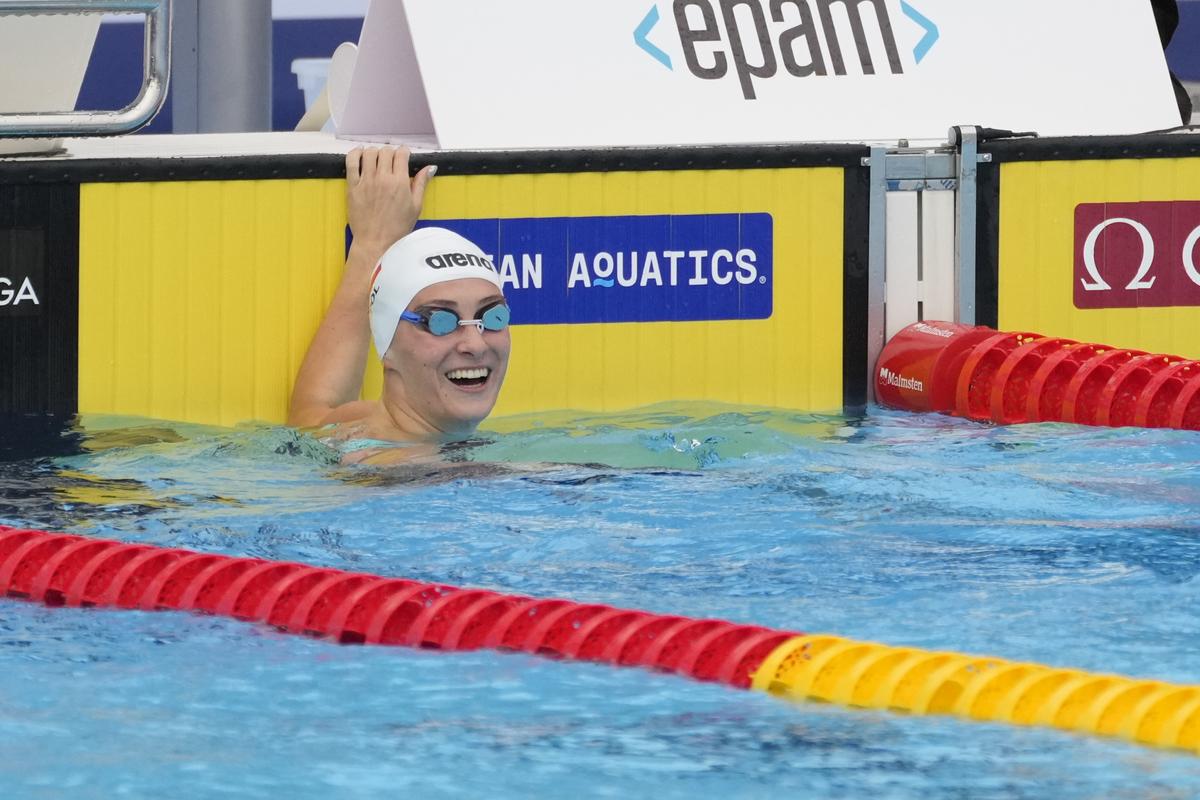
column 424, row 257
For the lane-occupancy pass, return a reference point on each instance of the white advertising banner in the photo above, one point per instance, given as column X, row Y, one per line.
column 549, row 73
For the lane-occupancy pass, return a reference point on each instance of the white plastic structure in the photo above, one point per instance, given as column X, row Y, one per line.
column 45, row 46
column 311, row 74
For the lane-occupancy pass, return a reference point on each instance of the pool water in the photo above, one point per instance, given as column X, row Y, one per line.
column 1057, row 544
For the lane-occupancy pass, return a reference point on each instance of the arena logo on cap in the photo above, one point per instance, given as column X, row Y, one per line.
column 630, row 268
column 752, row 39
column 447, row 260
column 1137, row 255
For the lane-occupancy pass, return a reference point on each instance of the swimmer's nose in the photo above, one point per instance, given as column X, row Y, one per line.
column 470, row 340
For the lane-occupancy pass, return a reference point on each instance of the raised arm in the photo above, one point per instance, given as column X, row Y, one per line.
column 382, row 205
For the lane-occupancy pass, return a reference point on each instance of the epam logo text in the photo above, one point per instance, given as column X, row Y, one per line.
column 757, row 37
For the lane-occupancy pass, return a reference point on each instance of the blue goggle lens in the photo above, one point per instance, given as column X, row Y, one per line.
column 495, row 318
column 441, row 322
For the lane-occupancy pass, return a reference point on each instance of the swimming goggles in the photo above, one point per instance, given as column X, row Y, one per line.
column 442, row 322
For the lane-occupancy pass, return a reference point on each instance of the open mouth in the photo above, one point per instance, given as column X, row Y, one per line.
column 469, row 378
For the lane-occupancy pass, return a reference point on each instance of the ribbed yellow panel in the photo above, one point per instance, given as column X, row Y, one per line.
column 868, row 675
column 1037, row 230
column 198, row 299
column 792, row 360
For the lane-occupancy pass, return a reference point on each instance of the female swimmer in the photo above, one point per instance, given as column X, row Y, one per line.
column 431, row 300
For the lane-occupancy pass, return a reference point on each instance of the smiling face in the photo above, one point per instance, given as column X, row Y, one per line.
column 446, row 384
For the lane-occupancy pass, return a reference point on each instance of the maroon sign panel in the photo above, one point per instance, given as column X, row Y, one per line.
column 1137, row 255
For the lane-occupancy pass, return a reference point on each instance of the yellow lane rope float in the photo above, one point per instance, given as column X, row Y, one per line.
column 867, row 675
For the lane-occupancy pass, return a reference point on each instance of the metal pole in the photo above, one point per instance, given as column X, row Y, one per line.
column 223, row 75
column 184, row 67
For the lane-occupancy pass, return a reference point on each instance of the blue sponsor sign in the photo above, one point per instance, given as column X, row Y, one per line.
column 630, row 269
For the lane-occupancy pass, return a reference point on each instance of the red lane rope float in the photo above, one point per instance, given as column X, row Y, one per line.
column 62, row 569
column 982, row 374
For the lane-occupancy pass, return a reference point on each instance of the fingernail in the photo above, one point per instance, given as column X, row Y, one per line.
column 432, row 170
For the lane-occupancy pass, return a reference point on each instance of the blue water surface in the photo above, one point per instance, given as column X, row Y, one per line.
column 1056, row 544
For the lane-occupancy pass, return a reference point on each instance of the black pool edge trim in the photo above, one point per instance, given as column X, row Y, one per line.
column 513, row 162
column 499, row 162
column 855, row 289
column 1083, row 148
column 987, row 246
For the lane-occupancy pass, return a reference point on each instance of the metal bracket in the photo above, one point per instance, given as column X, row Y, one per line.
column 949, row 286
column 924, row 185
column 155, row 73
column 929, row 171
column 966, row 204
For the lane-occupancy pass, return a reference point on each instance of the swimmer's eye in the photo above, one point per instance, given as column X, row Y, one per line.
column 442, row 321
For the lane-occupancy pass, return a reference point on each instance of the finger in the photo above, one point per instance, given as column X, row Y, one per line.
column 370, row 162
column 419, row 183
column 387, row 161
column 354, row 166
column 402, row 157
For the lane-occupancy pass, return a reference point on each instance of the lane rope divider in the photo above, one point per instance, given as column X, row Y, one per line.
column 347, row 607
column 1011, row 378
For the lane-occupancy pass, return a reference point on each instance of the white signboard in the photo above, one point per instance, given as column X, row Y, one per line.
column 549, row 73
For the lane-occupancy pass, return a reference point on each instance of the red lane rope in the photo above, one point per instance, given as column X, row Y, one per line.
column 978, row 373
column 64, row 569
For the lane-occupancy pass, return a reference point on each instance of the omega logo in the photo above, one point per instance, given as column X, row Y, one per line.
column 1143, row 279
column 1137, row 255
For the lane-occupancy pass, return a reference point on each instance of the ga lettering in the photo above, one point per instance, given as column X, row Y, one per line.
column 23, row 294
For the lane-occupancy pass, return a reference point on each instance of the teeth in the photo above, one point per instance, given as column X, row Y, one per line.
column 467, row 374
